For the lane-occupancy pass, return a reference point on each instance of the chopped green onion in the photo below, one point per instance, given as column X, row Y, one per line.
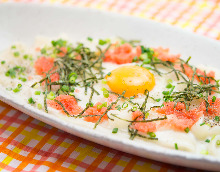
column 11, row 73
column 65, row 88
column 31, row 101
column 72, row 89
column 200, row 95
column 25, row 56
column 105, row 92
column 71, row 94
column 169, row 85
column 213, row 99
column 19, row 86
column 204, row 152
column 147, row 114
column 151, row 134
column 186, row 129
column 132, row 97
column 104, row 81
column 89, row 104
column 3, row 62
column 22, row 79
column 118, row 107
column 108, row 40
column 166, row 92
column 217, row 118
column 72, row 79
column 37, row 92
column 43, row 51
column 218, row 142
column 213, row 137
column 102, row 42
column 51, row 95
column 146, row 61
column 104, row 104
column 13, row 47
column 39, row 106
column 202, row 124
column 133, row 109
column 99, row 106
column 135, row 59
column 109, row 73
column 59, row 43
column 176, row 146
column 157, row 100
column 207, row 141
column 125, row 105
column 169, row 81
column 16, row 54
column 144, row 56
column 73, row 74
column 115, row 130
column 16, row 90
column 89, row 39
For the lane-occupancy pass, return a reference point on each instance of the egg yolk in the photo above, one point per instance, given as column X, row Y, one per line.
column 132, row 79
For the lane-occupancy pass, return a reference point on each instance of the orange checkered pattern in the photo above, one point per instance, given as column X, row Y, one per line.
column 27, row 144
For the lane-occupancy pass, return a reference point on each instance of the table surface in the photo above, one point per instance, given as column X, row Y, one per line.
column 27, row 144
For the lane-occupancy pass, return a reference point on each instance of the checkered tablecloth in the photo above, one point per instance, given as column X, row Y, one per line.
column 27, row 144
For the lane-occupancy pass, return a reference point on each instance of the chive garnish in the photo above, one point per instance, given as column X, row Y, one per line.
column 39, row 106
column 37, row 92
column 115, row 130
column 213, row 99
column 16, row 54
column 186, row 129
column 25, row 56
column 217, row 118
column 166, row 92
column 3, row 62
column 16, row 90
column 43, row 51
column 105, row 92
column 65, row 88
column 204, row 152
column 22, row 79
column 124, row 105
column 207, row 141
column 202, row 124
column 218, row 142
column 51, row 95
column 169, row 85
column 102, row 42
column 176, row 146
column 89, row 39
column 31, row 101
column 151, row 134
column 134, row 109
column 13, row 47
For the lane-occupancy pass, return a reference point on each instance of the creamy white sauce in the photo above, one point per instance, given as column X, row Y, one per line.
column 194, row 141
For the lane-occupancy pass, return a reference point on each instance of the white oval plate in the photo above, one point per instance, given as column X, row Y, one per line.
column 23, row 22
